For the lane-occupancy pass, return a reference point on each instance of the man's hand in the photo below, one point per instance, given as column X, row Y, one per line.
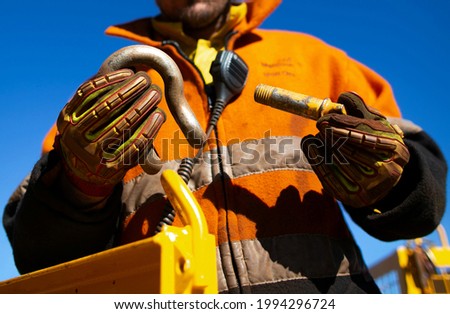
column 357, row 157
column 107, row 128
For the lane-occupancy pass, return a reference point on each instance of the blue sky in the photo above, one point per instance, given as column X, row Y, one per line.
column 50, row 47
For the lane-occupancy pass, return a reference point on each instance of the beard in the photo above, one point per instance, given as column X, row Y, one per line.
column 202, row 13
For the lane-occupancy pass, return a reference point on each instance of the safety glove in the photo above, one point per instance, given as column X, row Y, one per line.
column 358, row 157
column 107, row 128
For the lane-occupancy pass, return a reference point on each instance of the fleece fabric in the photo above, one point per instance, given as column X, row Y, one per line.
column 276, row 229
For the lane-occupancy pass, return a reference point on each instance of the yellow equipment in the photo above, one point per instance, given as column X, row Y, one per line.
column 416, row 268
column 176, row 260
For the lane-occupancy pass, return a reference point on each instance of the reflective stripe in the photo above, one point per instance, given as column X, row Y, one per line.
column 251, row 157
column 285, row 258
column 267, row 260
column 238, row 159
column 408, row 127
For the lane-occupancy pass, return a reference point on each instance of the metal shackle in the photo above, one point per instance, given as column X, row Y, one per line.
column 142, row 55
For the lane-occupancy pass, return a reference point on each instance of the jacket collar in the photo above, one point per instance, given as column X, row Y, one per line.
column 142, row 30
column 174, row 30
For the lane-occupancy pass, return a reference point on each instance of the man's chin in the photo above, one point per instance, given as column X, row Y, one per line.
column 201, row 14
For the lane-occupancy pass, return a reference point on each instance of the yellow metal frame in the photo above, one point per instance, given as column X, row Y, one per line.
column 400, row 265
column 176, row 260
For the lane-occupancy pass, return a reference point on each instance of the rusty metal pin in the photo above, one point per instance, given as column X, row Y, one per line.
column 296, row 103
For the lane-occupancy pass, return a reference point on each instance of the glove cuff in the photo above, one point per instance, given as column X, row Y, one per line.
column 86, row 187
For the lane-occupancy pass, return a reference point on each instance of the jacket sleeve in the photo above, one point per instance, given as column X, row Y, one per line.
column 45, row 229
column 415, row 206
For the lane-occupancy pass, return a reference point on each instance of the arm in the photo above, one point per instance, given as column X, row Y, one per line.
column 416, row 204
column 70, row 205
column 45, row 228
column 411, row 207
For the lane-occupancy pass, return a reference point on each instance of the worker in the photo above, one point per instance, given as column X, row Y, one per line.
column 269, row 182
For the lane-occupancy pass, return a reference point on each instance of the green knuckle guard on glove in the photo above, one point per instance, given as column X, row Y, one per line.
column 107, row 128
column 358, row 157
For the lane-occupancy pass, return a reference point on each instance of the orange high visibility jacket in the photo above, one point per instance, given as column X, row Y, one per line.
column 277, row 230
column 274, row 224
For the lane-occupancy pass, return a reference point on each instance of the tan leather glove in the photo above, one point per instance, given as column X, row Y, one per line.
column 107, row 128
column 358, row 157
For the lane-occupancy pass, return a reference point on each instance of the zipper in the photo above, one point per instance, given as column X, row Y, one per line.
column 209, row 90
column 210, row 93
column 225, row 204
